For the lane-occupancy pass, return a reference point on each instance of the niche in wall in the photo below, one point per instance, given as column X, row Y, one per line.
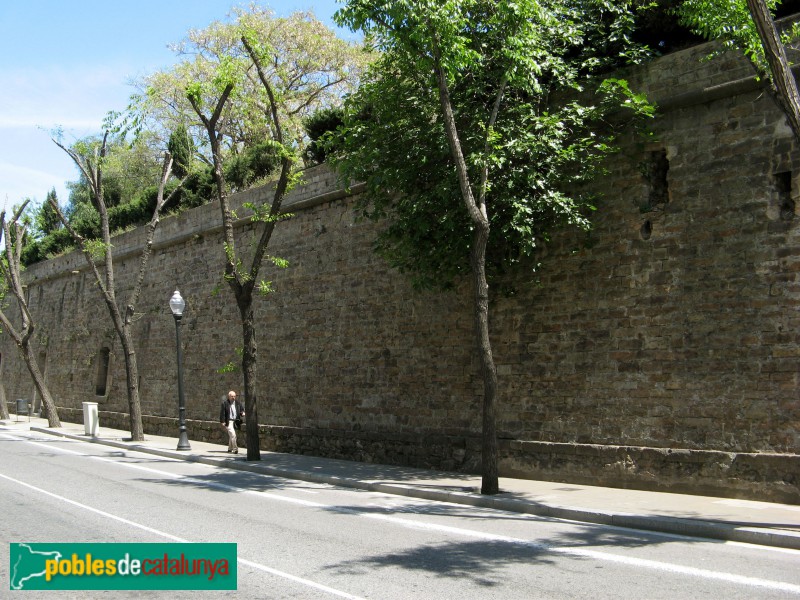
column 786, row 204
column 655, row 170
column 103, row 377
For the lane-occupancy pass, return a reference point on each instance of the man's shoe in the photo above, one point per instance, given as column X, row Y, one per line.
column 236, row 452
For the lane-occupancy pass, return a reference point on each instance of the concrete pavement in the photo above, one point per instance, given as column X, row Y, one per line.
column 764, row 523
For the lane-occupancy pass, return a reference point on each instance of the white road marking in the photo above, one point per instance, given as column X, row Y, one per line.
column 470, row 533
column 97, row 511
column 266, row 569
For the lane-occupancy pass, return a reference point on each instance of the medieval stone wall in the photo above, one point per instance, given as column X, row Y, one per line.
column 664, row 353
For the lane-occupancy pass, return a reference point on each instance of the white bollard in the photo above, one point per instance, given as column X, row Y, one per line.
column 91, row 419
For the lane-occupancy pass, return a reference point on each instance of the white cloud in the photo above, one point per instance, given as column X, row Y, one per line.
column 18, row 182
column 72, row 98
column 33, row 102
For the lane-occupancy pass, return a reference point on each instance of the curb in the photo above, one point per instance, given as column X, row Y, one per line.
column 672, row 525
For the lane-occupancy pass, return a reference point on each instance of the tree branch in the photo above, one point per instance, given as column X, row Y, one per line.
column 219, row 178
column 11, row 271
column 782, row 78
column 81, row 241
column 283, row 179
column 477, row 212
column 166, row 171
column 492, row 120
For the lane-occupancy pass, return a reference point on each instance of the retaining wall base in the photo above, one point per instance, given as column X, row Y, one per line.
column 755, row 476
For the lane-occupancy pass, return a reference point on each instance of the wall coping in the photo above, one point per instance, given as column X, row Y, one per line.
column 320, row 185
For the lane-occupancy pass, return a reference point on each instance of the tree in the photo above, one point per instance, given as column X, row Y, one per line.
column 485, row 115
column 309, row 65
column 748, row 26
column 182, row 149
column 320, row 129
column 91, row 160
column 242, row 279
column 12, row 232
column 130, row 173
column 242, row 95
column 47, row 220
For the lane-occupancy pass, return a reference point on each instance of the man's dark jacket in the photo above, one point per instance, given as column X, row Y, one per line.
column 225, row 413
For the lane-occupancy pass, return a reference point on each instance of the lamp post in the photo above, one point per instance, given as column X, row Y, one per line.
column 176, row 305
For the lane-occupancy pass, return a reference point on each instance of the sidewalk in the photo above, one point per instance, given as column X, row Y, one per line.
column 764, row 523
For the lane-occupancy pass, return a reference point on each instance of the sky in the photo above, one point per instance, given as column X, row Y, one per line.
column 67, row 64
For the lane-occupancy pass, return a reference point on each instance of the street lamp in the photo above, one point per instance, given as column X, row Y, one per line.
column 176, row 305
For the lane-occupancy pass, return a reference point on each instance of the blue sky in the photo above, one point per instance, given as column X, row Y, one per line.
column 68, row 63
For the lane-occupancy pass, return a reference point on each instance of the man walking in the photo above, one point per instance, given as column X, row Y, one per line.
column 231, row 412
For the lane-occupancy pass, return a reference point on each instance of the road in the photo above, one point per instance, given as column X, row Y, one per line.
column 303, row 540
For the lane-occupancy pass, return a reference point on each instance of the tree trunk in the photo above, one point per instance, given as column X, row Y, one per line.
column 41, row 388
column 249, row 372
column 489, row 477
column 132, row 376
column 480, row 221
column 3, row 406
column 782, row 77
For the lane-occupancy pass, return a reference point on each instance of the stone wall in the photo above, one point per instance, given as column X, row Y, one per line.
column 662, row 354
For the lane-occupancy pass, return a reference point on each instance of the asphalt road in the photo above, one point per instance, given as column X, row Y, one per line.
column 303, row 540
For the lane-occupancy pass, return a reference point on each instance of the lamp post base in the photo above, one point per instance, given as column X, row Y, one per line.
column 183, row 442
